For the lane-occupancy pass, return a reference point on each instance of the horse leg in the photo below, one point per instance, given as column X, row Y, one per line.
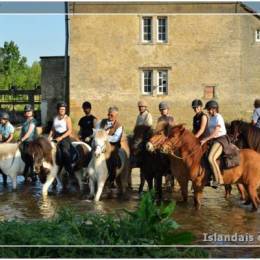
column 91, row 188
column 4, row 179
column 14, row 182
column 241, row 190
column 142, row 181
column 78, row 175
column 158, row 181
column 228, row 189
column 253, row 196
column 197, row 195
column 47, row 184
column 183, row 182
column 101, row 183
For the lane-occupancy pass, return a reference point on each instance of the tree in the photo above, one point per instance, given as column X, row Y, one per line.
column 14, row 69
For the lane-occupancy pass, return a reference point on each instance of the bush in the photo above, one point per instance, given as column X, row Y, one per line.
column 148, row 225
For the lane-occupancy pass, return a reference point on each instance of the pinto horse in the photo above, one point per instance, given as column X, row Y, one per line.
column 45, row 163
column 97, row 170
column 182, row 141
column 152, row 165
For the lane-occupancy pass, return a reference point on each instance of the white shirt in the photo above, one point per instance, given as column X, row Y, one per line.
column 215, row 121
column 116, row 136
column 60, row 125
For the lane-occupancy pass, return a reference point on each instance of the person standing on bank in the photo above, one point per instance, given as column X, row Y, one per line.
column 200, row 120
column 144, row 117
column 87, row 123
column 256, row 114
column 61, row 131
column 165, row 115
column 217, row 134
column 6, row 128
column 28, row 134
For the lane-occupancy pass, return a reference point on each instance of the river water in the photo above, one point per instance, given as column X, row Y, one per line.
column 217, row 216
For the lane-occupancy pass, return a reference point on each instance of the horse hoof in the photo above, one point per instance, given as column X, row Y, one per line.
column 254, row 209
column 247, row 202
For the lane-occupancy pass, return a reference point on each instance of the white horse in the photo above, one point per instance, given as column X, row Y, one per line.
column 44, row 154
column 11, row 163
column 97, row 169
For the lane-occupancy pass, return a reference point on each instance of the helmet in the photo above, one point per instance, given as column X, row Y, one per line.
column 28, row 108
column 61, row 104
column 4, row 115
column 86, row 105
column 211, row 104
column 142, row 103
column 257, row 103
column 196, row 103
column 163, row 105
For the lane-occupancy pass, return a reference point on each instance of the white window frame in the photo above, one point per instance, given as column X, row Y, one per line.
column 160, row 87
column 257, row 35
column 144, row 92
column 166, row 29
column 144, row 40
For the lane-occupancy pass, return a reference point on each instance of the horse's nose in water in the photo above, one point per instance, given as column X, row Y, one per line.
column 149, row 147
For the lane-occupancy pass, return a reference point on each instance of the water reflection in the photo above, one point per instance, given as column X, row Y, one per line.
column 47, row 206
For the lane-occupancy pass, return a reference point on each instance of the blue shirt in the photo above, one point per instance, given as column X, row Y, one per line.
column 256, row 117
column 6, row 130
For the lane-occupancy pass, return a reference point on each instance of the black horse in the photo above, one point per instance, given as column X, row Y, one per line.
column 153, row 166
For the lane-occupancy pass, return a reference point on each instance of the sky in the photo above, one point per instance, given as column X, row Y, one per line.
column 40, row 34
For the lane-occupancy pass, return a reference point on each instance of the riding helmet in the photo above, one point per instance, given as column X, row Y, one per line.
column 61, row 104
column 86, row 105
column 163, row 105
column 142, row 103
column 211, row 104
column 4, row 115
column 28, row 108
column 196, row 103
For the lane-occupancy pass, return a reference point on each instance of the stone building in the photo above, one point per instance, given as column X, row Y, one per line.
column 123, row 52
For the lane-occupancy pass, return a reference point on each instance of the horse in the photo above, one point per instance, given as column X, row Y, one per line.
column 47, row 165
column 11, row 163
column 245, row 135
column 97, row 170
column 188, row 146
column 152, row 165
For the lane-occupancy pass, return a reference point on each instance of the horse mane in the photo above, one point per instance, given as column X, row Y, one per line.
column 7, row 149
column 191, row 149
column 42, row 148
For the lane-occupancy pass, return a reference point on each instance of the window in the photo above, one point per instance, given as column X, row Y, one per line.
column 147, row 29
column 162, row 29
column 209, row 92
column 147, row 81
column 162, row 82
column 257, row 35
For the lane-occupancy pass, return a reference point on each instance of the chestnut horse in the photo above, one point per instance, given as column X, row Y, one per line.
column 182, row 141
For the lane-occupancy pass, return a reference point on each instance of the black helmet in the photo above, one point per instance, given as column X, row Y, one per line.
column 163, row 105
column 196, row 103
column 211, row 104
column 4, row 115
column 28, row 108
column 61, row 104
column 86, row 105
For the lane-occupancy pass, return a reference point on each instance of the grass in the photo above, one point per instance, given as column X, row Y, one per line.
column 147, row 225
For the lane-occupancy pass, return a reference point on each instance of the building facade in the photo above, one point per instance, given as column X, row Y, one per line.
column 121, row 53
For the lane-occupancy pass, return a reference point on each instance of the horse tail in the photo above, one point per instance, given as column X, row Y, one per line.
column 81, row 143
column 123, row 157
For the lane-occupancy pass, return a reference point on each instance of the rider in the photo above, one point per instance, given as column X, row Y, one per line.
column 256, row 114
column 144, row 117
column 200, row 120
column 165, row 116
column 61, row 131
column 6, row 128
column 115, row 132
column 217, row 133
column 28, row 134
column 87, row 123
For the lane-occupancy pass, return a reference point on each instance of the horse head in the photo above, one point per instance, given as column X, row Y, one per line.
column 100, row 142
column 174, row 139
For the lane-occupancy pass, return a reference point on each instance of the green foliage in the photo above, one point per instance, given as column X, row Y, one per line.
column 14, row 69
column 148, row 225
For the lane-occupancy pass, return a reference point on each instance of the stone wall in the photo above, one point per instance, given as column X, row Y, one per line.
column 52, row 85
column 106, row 58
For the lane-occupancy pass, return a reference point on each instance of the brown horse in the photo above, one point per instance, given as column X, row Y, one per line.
column 182, row 141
